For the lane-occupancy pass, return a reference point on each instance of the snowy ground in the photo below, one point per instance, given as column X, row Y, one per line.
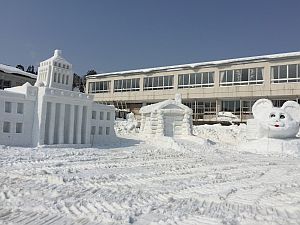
column 150, row 181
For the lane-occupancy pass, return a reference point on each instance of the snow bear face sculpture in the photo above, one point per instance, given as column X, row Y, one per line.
column 277, row 122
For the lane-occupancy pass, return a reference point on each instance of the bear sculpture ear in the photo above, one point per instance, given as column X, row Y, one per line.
column 293, row 109
column 262, row 108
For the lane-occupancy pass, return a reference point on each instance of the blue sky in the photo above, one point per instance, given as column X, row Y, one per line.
column 109, row 35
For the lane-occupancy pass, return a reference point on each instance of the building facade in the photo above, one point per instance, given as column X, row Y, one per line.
column 49, row 113
column 12, row 77
column 208, row 88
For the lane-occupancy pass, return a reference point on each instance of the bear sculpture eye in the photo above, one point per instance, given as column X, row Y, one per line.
column 272, row 115
column 282, row 116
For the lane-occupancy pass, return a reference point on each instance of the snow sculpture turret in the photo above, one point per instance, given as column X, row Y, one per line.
column 55, row 72
column 276, row 122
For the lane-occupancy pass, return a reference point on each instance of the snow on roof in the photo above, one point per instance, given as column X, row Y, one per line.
column 193, row 65
column 14, row 70
column 161, row 105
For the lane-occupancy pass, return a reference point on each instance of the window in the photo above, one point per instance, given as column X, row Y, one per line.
column 63, row 79
column 100, row 131
column 127, row 85
column 99, row 87
column 200, row 109
column 285, row 73
column 20, row 108
column 94, row 115
column 193, row 80
column 6, row 127
column 241, row 77
column 67, row 80
column 58, row 78
column 5, row 84
column 93, row 130
column 19, row 128
column 67, row 66
column 107, row 130
column 159, row 83
column 231, row 106
column 55, row 77
column 101, row 115
column 55, row 63
column 59, row 65
column 63, row 65
column 8, row 107
column 108, row 116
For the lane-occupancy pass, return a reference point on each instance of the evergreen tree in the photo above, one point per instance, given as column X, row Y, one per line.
column 20, row 67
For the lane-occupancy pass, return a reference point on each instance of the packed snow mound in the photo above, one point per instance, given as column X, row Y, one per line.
column 227, row 116
column 125, row 127
column 11, row 69
column 277, row 122
column 233, row 134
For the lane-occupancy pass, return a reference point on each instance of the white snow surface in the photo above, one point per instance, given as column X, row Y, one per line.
column 11, row 69
column 199, row 179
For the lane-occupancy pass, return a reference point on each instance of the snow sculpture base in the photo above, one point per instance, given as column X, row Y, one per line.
column 272, row 146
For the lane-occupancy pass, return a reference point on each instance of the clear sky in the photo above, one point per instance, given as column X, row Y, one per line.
column 110, row 35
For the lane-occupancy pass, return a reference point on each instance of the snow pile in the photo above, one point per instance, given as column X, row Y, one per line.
column 125, row 127
column 11, row 69
column 233, row 134
column 227, row 116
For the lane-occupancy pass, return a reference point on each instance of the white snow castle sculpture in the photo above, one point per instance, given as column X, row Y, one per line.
column 49, row 113
column 167, row 118
column 273, row 129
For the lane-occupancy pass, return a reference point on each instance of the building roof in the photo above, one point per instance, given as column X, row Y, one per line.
column 200, row 64
column 14, row 70
column 163, row 104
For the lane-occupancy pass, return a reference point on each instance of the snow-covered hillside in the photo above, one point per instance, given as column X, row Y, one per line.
column 150, row 181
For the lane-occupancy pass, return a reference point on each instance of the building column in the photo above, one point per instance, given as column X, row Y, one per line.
column 142, row 83
column 71, row 124
column 52, row 123
column 61, row 124
column 218, row 106
column 175, row 82
column 79, row 122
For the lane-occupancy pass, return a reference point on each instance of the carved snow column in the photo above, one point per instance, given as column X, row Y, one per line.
column 153, row 122
column 186, row 125
column 160, row 123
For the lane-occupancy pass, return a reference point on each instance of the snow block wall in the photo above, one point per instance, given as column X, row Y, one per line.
column 274, row 122
column 50, row 114
column 167, row 118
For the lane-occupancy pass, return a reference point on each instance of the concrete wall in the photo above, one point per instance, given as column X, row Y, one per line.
column 16, row 80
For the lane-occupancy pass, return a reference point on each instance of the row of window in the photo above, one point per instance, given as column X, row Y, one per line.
column 241, row 76
column 159, row 83
column 127, row 85
column 4, row 84
column 99, row 87
column 7, row 128
column 101, row 115
column 9, row 105
column 65, row 66
column 285, row 73
column 100, row 130
column 248, row 76
column 192, row 80
column 61, row 65
column 58, row 78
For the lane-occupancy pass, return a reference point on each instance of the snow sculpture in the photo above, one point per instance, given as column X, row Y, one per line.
column 277, row 122
column 167, row 118
column 131, row 122
column 49, row 113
